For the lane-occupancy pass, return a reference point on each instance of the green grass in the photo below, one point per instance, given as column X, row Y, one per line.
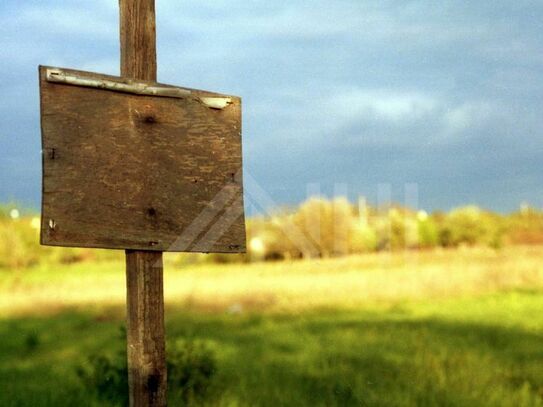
column 445, row 329
column 485, row 351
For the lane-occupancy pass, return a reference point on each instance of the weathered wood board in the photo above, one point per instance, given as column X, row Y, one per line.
column 134, row 171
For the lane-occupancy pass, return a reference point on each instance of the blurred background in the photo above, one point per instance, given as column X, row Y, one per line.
column 394, row 198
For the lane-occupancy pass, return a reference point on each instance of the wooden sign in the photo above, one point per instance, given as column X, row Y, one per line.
column 138, row 165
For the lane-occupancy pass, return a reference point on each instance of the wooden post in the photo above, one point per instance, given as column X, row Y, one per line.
column 144, row 269
column 138, row 39
column 145, row 329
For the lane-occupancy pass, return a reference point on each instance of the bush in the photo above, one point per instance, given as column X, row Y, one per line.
column 268, row 238
column 191, row 370
column 362, row 238
column 396, row 229
column 427, row 231
column 471, row 226
column 19, row 243
column 106, row 377
column 326, row 224
column 525, row 226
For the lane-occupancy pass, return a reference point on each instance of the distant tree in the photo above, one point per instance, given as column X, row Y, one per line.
column 362, row 238
column 326, row 224
column 525, row 226
column 471, row 226
column 428, row 232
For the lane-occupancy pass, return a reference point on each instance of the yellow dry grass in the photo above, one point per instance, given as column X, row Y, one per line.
column 285, row 286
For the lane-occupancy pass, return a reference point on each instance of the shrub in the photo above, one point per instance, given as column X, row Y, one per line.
column 31, row 342
column 470, row 225
column 427, row 231
column 269, row 238
column 525, row 226
column 107, row 377
column 19, row 243
column 362, row 238
column 396, row 228
column 191, row 370
column 326, row 224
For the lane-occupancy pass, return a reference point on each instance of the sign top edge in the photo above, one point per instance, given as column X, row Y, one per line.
column 75, row 77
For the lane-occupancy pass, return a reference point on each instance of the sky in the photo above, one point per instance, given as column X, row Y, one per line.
column 342, row 97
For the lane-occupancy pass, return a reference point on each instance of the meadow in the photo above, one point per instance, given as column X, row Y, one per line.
column 442, row 327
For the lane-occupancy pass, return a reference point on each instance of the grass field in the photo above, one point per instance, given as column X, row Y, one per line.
column 447, row 328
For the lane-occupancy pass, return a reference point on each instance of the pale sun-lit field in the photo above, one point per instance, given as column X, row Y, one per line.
column 284, row 286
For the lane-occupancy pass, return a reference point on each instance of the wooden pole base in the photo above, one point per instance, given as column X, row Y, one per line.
column 145, row 329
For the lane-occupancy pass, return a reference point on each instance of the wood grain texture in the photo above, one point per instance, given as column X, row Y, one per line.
column 146, row 339
column 146, row 351
column 138, row 39
column 124, row 171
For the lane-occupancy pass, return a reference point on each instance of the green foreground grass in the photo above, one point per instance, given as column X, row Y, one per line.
column 474, row 348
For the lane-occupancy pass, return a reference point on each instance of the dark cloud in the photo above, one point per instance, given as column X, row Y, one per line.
column 446, row 95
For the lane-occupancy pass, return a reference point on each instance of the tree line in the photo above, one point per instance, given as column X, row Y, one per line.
column 319, row 227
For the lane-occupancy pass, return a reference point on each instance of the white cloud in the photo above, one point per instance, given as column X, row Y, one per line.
column 467, row 115
column 385, row 105
column 340, row 116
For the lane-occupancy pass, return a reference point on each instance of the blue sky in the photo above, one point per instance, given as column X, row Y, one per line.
column 349, row 95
